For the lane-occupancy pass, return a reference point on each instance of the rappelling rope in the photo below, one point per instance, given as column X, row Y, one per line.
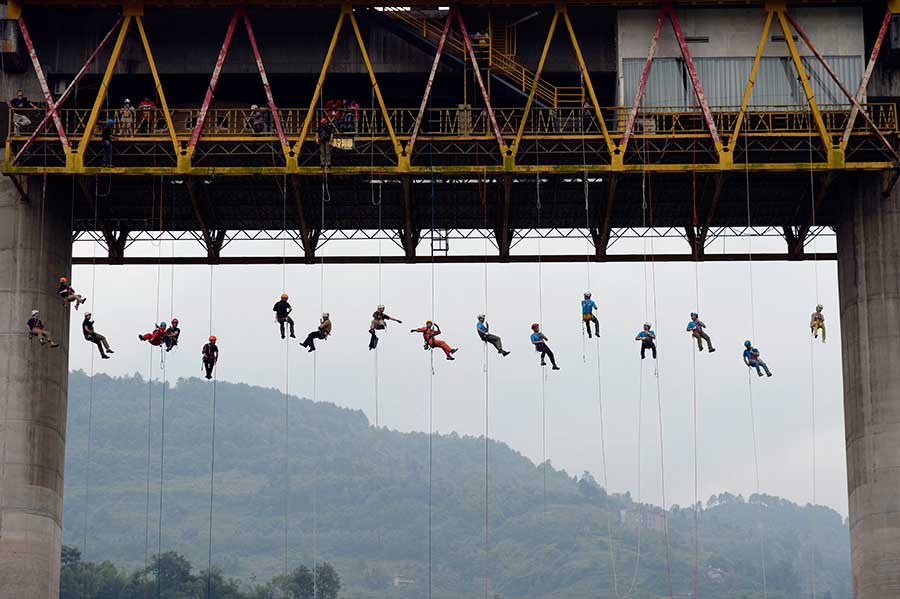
column 162, row 443
column 812, row 368
column 212, row 449
column 694, row 410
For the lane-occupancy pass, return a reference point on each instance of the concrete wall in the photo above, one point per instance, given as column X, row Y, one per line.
column 33, row 392
column 869, row 281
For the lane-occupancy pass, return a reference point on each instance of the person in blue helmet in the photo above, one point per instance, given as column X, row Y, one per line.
column 696, row 328
column 647, row 337
column 106, row 135
column 587, row 314
column 752, row 359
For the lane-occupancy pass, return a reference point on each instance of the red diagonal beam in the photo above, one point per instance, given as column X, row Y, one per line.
column 695, row 79
column 265, row 81
column 629, row 124
column 213, row 82
column 434, row 66
column 840, row 85
column 477, row 71
column 48, row 97
column 864, row 83
column 69, row 90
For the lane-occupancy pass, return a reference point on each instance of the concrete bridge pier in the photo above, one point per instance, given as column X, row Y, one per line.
column 868, row 240
column 35, row 251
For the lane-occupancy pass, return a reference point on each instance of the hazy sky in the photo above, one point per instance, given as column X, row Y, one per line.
column 124, row 303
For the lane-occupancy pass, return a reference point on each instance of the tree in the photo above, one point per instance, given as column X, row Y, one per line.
column 328, row 583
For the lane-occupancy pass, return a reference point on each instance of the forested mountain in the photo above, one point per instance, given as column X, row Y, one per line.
column 357, row 497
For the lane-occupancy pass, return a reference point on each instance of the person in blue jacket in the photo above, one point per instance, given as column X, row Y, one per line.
column 484, row 333
column 539, row 340
column 647, row 337
column 587, row 314
column 696, row 328
column 752, row 359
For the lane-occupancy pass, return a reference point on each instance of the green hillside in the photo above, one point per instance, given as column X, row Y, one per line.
column 358, row 498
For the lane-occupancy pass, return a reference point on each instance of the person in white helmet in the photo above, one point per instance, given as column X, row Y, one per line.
column 126, row 118
column 587, row 314
column 817, row 322
column 322, row 332
column 379, row 323
column 36, row 328
column 647, row 337
column 483, row 329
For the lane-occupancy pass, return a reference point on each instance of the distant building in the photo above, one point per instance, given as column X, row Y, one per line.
column 402, row 581
column 643, row 519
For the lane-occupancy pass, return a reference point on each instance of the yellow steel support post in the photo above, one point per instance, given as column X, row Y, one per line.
column 830, row 149
column 514, row 148
column 13, row 9
column 610, row 146
column 78, row 164
column 159, row 88
column 318, row 91
column 398, row 149
column 749, row 89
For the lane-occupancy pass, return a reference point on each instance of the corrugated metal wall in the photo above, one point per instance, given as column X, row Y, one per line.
column 724, row 80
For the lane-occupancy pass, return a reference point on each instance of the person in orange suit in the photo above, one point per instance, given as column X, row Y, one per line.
column 429, row 333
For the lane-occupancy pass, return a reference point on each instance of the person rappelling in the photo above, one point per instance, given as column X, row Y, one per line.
column 210, row 354
column 36, row 329
column 379, row 323
column 157, row 337
column 429, row 334
column 647, row 337
column 587, row 314
column 87, row 329
column 172, row 334
column 696, row 328
column 752, row 359
column 539, row 341
column 67, row 294
column 817, row 323
column 484, row 333
column 322, row 332
column 283, row 311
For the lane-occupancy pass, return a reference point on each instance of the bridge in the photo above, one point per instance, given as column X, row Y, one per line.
column 598, row 120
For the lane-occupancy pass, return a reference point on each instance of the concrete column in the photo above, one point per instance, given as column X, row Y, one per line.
column 869, row 281
column 35, row 251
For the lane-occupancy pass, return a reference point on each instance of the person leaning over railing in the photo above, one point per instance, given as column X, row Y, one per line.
column 19, row 119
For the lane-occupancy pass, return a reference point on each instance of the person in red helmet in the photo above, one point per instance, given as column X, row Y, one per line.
column 539, row 340
column 172, row 334
column 283, row 311
column 67, row 294
column 210, row 356
column 429, row 333
column 157, row 337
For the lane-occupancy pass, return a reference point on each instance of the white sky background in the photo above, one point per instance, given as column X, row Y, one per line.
column 124, row 301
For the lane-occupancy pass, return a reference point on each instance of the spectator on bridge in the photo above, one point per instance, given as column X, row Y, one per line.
column 647, row 337
column 67, row 294
column 322, row 332
column 817, row 322
column 283, row 311
column 696, row 328
column 147, row 108
column 539, row 340
column 87, row 329
column 106, row 138
column 19, row 119
column 752, row 359
column 354, row 112
column 36, row 329
column 323, row 137
column 587, row 314
column 157, row 337
column 126, row 118
column 172, row 334
column 429, row 334
column 258, row 120
column 379, row 323
column 484, row 333
column 210, row 354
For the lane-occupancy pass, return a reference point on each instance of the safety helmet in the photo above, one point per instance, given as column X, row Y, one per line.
column 587, row 295
column 254, row 107
column 163, row 325
column 284, row 296
column 325, row 315
column 694, row 315
column 481, row 317
column 87, row 315
column 429, row 322
column 34, row 312
column 63, row 280
column 381, row 306
column 212, row 338
column 747, row 343
column 535, row 326
column 174, row 320
column 647, row 325
column 110, row 122
column 820, row 307
column 127, row 101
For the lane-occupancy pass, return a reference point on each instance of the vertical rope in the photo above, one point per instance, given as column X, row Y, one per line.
column 162, row 443
column 812, row 370
column 212, row 450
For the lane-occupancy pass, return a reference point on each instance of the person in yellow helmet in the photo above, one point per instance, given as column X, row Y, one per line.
column 283, row 311
column 429, row 333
